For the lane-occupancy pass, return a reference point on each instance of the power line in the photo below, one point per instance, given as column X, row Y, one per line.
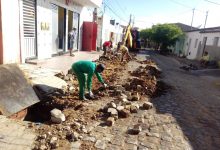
column 115, row 9
column 212, row 2
column 118, row 4
column 181, row 4
column 114, row 12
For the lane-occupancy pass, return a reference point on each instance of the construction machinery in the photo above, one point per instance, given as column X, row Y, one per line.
column 132, row 38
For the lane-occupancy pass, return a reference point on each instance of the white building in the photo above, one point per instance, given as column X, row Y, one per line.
column 38, row 29
column 109, row 29
column 201, row 40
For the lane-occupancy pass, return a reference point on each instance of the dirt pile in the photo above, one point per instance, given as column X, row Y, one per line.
column 144, row 80
column 79, row 117
column 82, row 116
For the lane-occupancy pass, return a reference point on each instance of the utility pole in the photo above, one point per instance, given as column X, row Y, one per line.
column 104, row 7
column 133, row 21
column 207, row 12
column 130, row 19
column 192, row 18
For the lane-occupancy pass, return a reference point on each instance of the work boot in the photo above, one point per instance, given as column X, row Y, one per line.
column 83, row 99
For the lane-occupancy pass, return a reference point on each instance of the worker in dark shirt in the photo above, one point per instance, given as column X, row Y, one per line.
column 81, row 68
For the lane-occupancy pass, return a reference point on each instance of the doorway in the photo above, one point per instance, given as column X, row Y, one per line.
column 73, row 22
column 61, row 28
column 202, row 47
column 58, row 28
column 189, row 44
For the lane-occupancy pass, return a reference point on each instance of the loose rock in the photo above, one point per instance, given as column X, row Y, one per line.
column 113, row 112
column 135, row 130
column 147, row 105
column 112, row 105
column 119, row 108
column 134, row 108
column 57, row 116
column 135, row 97
column 110, row 121
column 124, row 113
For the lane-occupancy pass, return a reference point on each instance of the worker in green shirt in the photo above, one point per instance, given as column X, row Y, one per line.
column 81, row 68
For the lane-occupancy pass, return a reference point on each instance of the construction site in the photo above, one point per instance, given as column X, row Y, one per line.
column 140, row 109
column 77, row 79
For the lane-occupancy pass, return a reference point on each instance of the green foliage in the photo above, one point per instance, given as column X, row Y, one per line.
column 146, row 34
column 163, row 34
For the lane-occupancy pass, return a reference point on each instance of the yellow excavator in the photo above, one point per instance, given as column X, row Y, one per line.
column 131, row 38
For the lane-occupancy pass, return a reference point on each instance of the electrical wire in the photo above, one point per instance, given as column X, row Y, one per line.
column 212, row 2
column 106, row 5
column 181, row 4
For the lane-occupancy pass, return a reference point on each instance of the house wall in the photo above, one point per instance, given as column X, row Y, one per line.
column 195, row 52
column 214, row 51
column 44, row 37
column 12, row 28
column 189, row 47
column 10, row 31
column 107, row 28
column 44, row 15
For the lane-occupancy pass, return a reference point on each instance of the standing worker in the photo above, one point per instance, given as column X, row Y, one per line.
column 81, row 68
column 205, row 59
column 106, row 46
column 124, row 51
column 71, row 40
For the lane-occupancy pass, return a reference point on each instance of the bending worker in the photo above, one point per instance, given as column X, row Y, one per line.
column 106, row 46
column 124, row 51
column 81, row 68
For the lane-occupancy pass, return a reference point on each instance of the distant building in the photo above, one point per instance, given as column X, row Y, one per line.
column 200, row 40
column 109, row 29
column 178, row 49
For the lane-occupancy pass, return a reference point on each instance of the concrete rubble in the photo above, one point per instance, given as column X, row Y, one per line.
column 78, row 120
column 57, row 116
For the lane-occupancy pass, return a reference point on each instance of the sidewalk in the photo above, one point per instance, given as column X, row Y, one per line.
column 64, row 62
column 41, row 72
column 15, row 135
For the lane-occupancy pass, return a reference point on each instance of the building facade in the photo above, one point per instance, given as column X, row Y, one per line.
column 109, row 29
column 201, row 40
column 38, row 29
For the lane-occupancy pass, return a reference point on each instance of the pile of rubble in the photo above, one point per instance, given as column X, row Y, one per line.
column 65, row 126
column 124, row 104
column 144, row 80
column 74, row 118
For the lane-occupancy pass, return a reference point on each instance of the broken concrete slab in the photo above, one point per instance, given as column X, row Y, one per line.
column 15, row 90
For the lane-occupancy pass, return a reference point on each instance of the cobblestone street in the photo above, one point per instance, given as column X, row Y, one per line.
column 185, row 118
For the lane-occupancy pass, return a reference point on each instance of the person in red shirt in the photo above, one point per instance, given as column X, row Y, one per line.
column 106, row 46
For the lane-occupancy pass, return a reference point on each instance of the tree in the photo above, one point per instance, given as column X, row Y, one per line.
column 165, row 35
column 146, row 35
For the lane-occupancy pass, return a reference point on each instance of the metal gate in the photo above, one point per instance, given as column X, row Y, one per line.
column 29, row 27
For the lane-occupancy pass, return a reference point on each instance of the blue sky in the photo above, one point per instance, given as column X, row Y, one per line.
column 149, row 12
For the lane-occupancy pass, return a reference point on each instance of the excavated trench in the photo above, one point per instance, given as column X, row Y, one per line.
column 143, row 80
